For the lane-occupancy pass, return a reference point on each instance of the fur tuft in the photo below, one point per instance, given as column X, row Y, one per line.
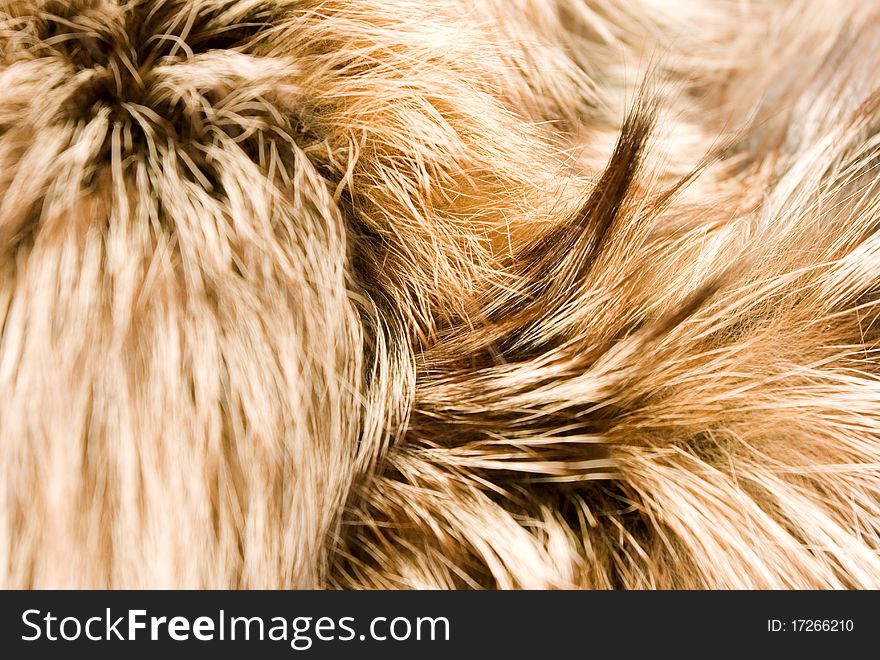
column 388, row 294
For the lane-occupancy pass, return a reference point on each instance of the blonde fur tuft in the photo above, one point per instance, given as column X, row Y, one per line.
column 461, row 294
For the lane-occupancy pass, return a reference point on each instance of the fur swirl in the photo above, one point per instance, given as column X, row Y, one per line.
column 454, row 294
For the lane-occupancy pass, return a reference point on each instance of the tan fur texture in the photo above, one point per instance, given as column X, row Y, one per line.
column 450, row 294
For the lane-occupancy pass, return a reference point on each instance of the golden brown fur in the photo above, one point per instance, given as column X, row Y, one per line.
column 465, row 293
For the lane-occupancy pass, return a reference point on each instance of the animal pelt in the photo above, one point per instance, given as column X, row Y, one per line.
column 450, row 294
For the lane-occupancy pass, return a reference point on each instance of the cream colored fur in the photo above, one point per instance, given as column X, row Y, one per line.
column 450, row 294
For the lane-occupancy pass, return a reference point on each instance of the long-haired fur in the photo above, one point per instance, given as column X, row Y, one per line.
column 453, row 294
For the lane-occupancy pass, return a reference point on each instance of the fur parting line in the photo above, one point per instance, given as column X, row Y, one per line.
column 397, row 294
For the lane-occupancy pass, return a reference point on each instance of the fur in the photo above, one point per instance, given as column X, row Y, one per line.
column 455, row 294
